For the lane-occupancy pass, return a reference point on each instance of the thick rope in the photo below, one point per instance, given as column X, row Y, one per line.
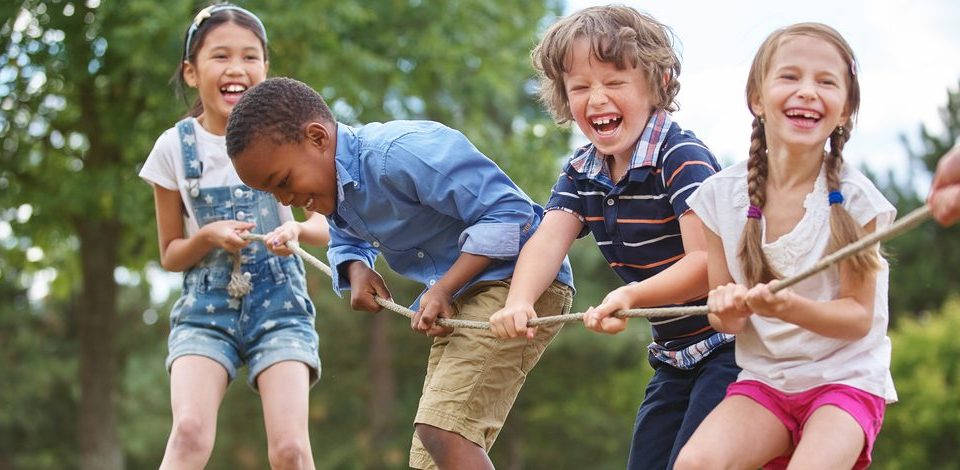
column 902, row 225
column 309, row 258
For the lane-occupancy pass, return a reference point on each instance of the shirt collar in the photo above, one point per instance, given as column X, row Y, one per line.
column 587, row 161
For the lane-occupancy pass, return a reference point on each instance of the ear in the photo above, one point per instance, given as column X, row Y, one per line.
column 318, row 134
column 756, row 106
column 266, row 68
column 189, row 74
column 844, row 118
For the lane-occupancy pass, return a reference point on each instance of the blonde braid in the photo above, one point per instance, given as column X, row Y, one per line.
column 844, row 229
column 755, row 266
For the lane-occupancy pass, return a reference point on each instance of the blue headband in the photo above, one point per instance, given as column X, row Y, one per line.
column 207, row 13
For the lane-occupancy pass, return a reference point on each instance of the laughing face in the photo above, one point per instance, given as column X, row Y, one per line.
column 299, row 174
column 230, row 60
column 610, row 106
column 803, row 98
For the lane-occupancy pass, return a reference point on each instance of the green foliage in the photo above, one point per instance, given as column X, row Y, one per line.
column 84, row 93
column 921, row 257
column 920, row 431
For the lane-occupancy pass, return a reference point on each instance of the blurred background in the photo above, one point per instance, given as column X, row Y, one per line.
column 84, row 305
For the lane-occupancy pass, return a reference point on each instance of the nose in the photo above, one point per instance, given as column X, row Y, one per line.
column 598, row 96
column 808, row 90
column 235, row 67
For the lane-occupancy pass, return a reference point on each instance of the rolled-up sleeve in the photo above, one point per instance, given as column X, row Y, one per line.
column 345, row 248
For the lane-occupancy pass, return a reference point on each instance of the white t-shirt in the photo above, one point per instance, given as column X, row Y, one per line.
column 164, row 167
column 780, row 354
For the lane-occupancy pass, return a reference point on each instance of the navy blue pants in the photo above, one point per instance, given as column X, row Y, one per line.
column 675, row 403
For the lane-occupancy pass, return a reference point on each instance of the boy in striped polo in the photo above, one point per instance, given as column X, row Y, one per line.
column 613, row 71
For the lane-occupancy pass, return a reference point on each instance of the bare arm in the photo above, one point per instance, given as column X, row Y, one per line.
column 314, row 231
column 437, row 301
column 539, row 262
column 849, row 316
column 685, row 280
column 178, row 253
column 728, row 310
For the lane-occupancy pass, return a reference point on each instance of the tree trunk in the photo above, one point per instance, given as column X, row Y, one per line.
column 382, row 386
column 97, row 319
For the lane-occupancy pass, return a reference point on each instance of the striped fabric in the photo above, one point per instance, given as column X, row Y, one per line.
column 635, row 221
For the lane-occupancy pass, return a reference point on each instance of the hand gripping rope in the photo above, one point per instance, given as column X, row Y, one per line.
column 902, row 225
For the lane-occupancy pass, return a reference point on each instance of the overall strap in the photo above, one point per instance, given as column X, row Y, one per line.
column 192, row 166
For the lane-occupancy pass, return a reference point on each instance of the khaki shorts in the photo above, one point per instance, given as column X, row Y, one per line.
column 472, row 377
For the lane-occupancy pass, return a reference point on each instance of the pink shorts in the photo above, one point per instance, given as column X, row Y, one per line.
column 794, row 409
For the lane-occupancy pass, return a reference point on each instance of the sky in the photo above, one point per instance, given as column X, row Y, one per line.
column 908, row 56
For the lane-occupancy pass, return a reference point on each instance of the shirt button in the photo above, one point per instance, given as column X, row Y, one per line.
column 610, row 202
column 420, row 255
column 432, row 282
column 241, row 215
column 237, row 192
column 376, row 244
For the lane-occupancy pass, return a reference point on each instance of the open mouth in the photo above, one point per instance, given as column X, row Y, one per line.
column 606, row 124
column 232, row 91
column 803, row 117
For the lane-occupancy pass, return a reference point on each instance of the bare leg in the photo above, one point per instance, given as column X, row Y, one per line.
column 284, row 392
column 452, row 451
column 831, row 439
column 738, row 433
column 197, row 385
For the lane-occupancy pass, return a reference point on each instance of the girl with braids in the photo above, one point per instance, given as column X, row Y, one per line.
column 815, row 358
column 243, row 303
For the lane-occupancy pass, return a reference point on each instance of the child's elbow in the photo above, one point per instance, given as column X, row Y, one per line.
column 169, row 265
column 860, row 327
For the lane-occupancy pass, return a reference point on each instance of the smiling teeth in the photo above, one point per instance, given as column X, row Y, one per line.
column 234, row 88
column 806, row 114
column 600, row 122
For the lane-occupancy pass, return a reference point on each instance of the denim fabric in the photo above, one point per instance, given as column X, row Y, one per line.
column 420, row 193
column 271, row 324
column 676, row 401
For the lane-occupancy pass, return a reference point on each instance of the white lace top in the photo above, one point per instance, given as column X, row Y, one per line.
column 780, row 354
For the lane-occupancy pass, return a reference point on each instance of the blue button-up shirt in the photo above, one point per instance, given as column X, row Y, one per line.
column 419, row 193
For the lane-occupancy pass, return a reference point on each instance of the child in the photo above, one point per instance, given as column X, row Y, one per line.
column 441, row 213
column 944, row 196
column 202, row 211
column 613, row 71
column 816, row 357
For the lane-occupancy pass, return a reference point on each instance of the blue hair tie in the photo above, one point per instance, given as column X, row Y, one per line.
column 835, row 197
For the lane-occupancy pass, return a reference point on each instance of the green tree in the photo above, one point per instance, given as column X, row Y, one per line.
column 921, row 257
column 920, row 431
column 84, row 89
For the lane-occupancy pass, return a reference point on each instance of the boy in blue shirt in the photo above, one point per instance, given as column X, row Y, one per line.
column 441, row 213
column 613, row 71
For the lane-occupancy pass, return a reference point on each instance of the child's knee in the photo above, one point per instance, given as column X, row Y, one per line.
column 433, row 439
column 288, row 453
column 191, row 435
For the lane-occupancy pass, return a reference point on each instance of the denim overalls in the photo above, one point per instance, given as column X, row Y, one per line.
column 272, row 323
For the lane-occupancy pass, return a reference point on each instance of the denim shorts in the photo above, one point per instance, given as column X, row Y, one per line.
column 271, row 324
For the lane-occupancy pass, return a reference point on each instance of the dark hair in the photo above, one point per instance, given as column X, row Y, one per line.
column 617, row 34
column 277, row 109
column 205, row 21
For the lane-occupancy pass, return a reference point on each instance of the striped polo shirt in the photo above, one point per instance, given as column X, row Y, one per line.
column 636, row 221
